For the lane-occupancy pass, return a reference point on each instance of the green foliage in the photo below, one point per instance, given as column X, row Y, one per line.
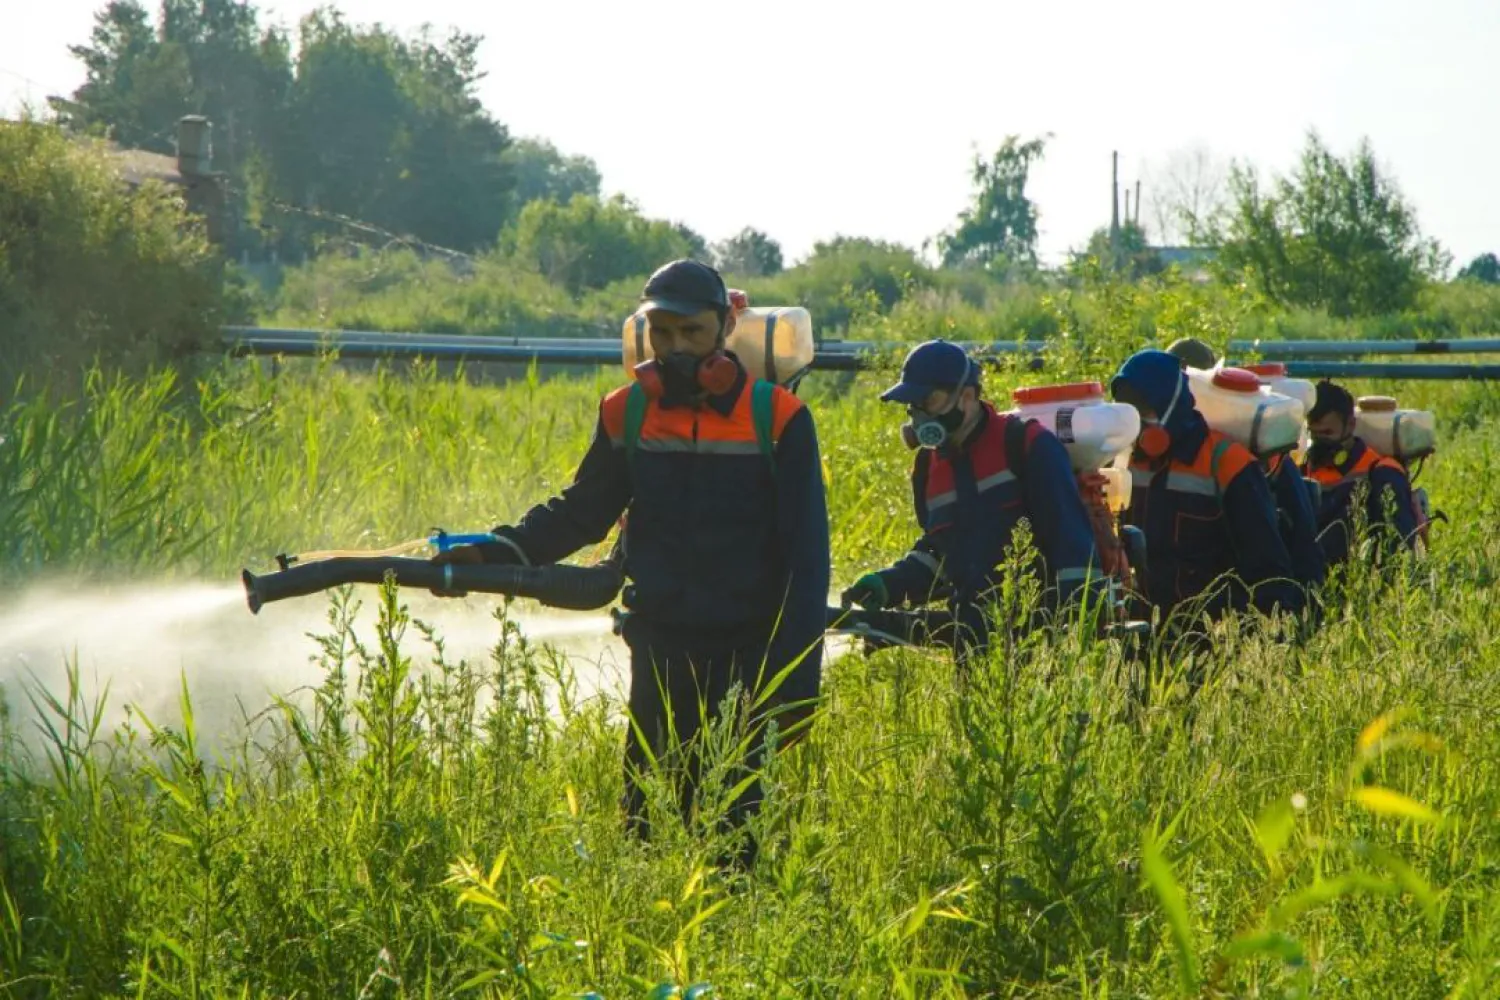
column 750, row 253
column 541, row 172
column 400, row 291
column 388, row 130
column 362, row 123
column 1130, row 256
column 998, row 231
column 206, row 57
column 1335, row 235
column 1484, row 268
column 91, row 270
column 588, row 243
column 845, row 276
column 416, row 826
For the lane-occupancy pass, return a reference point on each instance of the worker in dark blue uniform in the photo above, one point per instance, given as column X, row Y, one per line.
column 1298, row 520
column 1344, row 465
column 726, row 539
column 1202, row 502
column 1294, row 505
column 977, row 473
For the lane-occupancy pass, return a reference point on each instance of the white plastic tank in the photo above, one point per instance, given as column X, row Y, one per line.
column 1234, row 403
column 1273, row 376
column 773, row 342
column 1092, row 430
column 1405, row 435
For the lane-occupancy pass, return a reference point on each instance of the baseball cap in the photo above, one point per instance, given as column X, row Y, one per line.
column 936, row 364
column 685, row 287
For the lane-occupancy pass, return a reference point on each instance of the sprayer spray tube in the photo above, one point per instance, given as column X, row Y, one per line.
column 576, row 588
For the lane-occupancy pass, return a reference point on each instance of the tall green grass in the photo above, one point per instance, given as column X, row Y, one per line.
column 1317, row 821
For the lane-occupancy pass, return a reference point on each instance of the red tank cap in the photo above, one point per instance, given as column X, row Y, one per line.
column 1073, row 392
column 1236, row 380
column 1268, row 369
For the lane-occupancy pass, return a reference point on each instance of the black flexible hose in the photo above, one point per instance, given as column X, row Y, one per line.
column 576, row 588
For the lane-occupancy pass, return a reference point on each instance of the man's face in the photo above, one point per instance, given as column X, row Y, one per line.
column 1331, row 428
column 697, row 335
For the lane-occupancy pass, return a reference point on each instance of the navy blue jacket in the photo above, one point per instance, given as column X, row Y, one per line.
column 718, row 546
column 1205, row 507
column 1298, row 521
column 1386, row 479
column 968, row 503
column 1202, row 522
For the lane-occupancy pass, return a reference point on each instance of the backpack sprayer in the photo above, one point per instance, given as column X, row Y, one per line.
column 575, row 588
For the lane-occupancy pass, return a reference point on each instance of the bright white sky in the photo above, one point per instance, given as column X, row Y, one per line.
column 809, row 118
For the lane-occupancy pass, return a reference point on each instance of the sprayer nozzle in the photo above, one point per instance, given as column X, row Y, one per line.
column 252, row 593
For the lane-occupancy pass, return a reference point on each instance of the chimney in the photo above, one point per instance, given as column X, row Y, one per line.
column 194, row 146
column 1114, row 187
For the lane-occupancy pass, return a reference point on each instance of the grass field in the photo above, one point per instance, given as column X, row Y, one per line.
column 1322, row 822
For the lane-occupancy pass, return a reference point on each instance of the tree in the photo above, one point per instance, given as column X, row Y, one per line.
column 697, row 246
column 589, row 243
column 998, row 230
column 1335, row 235
column 366, row 124
column 1485, row 268
column 1187, row 193
column 1131, row 256
column 388, row 131
column 207, row 57
column 542, row 172
column 751, row 253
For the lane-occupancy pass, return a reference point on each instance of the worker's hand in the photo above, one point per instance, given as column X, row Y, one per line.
column 869, row 591
column 459, row 555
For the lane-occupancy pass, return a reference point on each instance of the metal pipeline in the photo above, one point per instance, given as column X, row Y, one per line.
column 576, row 588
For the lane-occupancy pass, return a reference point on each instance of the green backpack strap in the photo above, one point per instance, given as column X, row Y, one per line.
column 763, row 412
column 1213, row 465
column 635, row 416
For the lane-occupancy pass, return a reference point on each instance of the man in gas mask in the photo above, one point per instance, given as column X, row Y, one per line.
column 977, row 473
column 1294, row 505
column 1343, row 465
column 1201, row 500
column 726, row 544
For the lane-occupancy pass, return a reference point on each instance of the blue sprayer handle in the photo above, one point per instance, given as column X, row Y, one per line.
column 443, row 541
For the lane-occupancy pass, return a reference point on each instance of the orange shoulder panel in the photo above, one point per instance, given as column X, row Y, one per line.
column 612, row 412
column 785, row 407
column 1234, row 460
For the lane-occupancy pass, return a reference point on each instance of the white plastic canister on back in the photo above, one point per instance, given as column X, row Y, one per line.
column 1405, row 435
column 1092, row 430
column 1234, row 403
column 773, row 342
column 1272, row 375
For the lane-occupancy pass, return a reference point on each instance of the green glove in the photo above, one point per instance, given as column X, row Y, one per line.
column 869, row 591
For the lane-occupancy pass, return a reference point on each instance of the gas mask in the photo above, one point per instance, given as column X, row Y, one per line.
column 1326, row 451
column 933, row 430
column 679, row 374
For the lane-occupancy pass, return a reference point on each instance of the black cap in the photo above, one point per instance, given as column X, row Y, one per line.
column 685, row 287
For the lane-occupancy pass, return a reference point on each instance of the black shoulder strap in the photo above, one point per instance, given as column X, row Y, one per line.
column 1015, row 445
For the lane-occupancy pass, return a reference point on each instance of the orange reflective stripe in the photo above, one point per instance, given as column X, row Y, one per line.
column 1326, row 475
column 612, row 410
column 664, row 427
